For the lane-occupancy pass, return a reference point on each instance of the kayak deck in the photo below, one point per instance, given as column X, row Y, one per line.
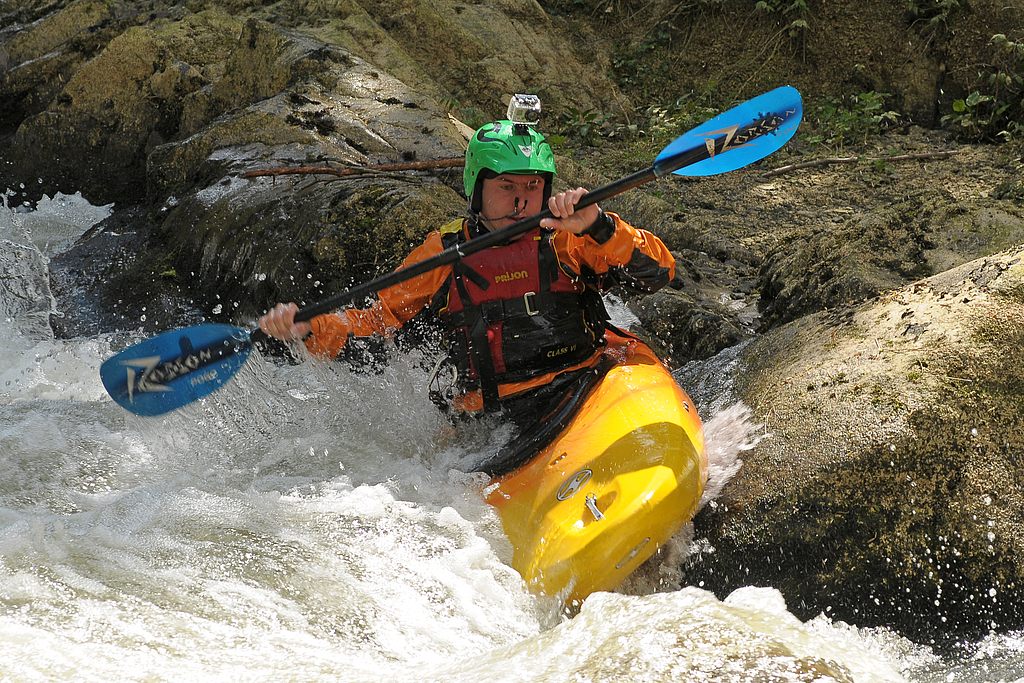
column 625, row 474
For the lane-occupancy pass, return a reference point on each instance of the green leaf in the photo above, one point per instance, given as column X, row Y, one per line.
column 976, row 98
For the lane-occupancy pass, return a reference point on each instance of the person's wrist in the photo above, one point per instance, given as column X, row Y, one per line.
column 602, row 229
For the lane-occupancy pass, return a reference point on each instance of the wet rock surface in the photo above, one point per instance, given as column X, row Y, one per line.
column 887, row 490
column 789, row 245
column 114, row 279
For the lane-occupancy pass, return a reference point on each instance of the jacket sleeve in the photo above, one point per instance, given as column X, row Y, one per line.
column 624, row 255
column 394, row 306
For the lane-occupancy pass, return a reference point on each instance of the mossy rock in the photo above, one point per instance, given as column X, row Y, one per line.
column 55, row 30
column 840, row 265
column 888, row 491
column 95, row 134
column 479, row 53
column 688, row 329
column 233, row 144
column 845, row 234
column 46, row 46
column 258, row 244
column 118, row 277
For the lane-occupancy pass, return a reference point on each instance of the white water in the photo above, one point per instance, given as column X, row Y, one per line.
column 309, row 523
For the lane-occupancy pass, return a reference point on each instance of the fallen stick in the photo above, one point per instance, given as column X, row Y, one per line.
column 356, row 170
column 918, row 156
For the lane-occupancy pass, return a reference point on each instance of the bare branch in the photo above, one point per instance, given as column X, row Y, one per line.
column 918, row 156
column 428, row 164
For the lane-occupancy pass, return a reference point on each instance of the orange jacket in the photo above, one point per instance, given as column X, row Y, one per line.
column 631, row 257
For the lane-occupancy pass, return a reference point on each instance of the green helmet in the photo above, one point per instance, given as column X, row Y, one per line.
column 506, row 147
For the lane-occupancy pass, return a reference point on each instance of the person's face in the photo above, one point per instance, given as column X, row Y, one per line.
column 511, row 197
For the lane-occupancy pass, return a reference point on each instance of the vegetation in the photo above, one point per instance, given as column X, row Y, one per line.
column 658, row 123
column 991, row 110
column 793, row 11
column 994, row 112
column 934, row 15
column 583, row 126
column 839, row 122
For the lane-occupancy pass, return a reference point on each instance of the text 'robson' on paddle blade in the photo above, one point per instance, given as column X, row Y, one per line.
column 175, row 368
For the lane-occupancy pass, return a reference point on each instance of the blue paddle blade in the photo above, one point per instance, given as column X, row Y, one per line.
column 175, row 368
column 742, row 135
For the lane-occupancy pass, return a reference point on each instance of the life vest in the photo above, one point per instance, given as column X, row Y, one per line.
column 512, row 313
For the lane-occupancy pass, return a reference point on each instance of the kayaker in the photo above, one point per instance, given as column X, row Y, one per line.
column 524, row 322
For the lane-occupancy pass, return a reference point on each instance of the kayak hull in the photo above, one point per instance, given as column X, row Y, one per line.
column 624, row 475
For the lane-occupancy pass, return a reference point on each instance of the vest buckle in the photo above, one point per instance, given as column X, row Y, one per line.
column 530, row 300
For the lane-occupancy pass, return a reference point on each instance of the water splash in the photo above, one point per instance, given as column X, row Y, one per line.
column 54, row 224
column 727, row 434
column 686, row 635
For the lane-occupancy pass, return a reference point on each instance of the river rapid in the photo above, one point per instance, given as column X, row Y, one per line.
column 314, row 523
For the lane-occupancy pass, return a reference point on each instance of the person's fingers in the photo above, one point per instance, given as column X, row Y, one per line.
column 554, row 207
column 566, row 217
column 563, row 204
column 279, row 322
column 286, row 320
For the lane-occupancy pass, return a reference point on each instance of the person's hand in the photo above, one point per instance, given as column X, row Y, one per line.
column 279, row 322
column 563, row 207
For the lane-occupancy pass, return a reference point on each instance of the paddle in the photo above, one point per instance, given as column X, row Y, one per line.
column 178, row 367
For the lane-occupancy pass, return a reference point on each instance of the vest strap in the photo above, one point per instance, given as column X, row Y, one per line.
column 526, row 305
column 479, row 348
column 547, row 266
column 476, row 278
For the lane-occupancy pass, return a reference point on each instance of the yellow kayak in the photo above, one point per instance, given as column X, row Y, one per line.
column 622, row 477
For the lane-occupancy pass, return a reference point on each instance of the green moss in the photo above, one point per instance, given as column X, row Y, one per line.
column 173, row 167
column 368, row 231
column 995, row 372
column 57, row 29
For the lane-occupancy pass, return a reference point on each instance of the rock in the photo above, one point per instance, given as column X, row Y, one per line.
column 478, row 54
column 835, row 266
column 46, row 45
column 116, row 277
column 686, row 328
column 250, row 244
column 871, row 231
column 89, row 89
column 889, row 489
column 96, row 132
column 258, row 241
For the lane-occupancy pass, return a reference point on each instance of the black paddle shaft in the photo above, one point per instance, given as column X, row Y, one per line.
column 763, row 126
